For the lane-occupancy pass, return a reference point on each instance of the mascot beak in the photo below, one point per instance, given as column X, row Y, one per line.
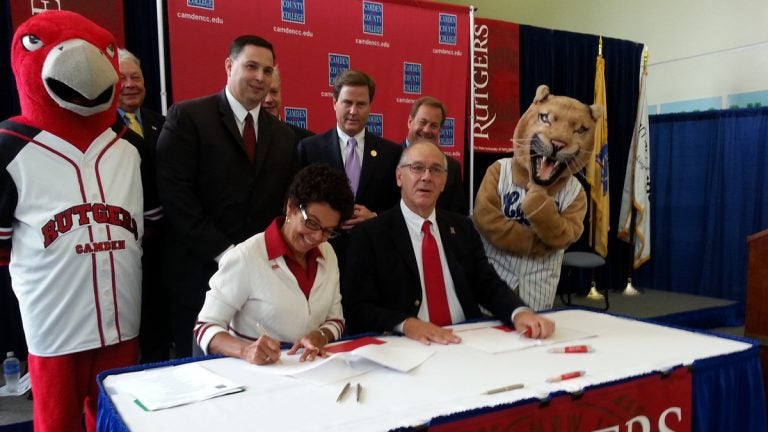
column 83, row 90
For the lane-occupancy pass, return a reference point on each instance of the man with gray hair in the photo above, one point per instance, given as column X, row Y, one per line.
column 130, row 112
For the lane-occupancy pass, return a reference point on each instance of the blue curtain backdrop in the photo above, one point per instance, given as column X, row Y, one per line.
column 709, row 192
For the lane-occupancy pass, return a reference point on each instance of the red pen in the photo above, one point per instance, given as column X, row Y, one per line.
column 572, row 349
column 566, row 376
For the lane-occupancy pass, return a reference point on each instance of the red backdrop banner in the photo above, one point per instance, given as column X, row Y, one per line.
column 652, row 403
column 106, row 13
column 409, row 48
column 496, row 78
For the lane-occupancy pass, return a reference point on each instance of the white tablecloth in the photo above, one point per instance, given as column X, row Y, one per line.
column 452, row 380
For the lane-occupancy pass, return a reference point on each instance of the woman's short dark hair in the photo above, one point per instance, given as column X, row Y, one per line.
column 321, row 183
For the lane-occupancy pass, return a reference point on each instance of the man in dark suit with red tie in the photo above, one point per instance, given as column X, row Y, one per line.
column 368, row 160
column 224, row 166
column 414, row 269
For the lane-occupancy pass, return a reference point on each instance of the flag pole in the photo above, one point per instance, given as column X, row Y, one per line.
column 630, row 290
column 594, row 294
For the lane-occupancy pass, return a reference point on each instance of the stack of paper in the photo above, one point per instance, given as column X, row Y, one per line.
column 155, row 389
column 498, row 339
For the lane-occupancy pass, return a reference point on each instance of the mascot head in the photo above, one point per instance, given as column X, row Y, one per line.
column 66, row 72
column 554, row 138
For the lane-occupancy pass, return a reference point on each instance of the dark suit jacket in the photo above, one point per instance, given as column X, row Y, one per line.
column 453, row 196
column 213, row 196
column 381, row 285
column 151, row 125
column 378, row 189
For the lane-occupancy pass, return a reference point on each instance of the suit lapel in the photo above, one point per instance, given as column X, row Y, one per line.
column 370, row 152
column 262, row 140
column 332, row 149
column 228, row 119
column 448, row 238
column 402, row 240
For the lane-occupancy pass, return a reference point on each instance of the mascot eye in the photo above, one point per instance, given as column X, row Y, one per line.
column 582, row 130
column 544, row 117
column 110, row 49
column 31, row 42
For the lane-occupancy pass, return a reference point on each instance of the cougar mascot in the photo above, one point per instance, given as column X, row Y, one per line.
column 530, row 207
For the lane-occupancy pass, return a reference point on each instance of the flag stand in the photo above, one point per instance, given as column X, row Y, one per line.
column 629, row 290
column 594, row 294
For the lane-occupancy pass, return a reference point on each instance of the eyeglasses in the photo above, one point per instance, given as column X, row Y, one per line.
column 420, row 168
column 315, row 226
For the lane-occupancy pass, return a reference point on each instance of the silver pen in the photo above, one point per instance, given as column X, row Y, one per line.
column 343, row 392
column 505, row 388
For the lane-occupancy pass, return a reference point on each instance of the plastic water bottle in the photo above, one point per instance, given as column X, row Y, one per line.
column 12, row 372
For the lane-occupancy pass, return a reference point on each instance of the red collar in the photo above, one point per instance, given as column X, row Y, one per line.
column 276, row 246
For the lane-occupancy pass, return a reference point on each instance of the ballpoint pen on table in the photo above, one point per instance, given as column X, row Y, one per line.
column 572, row 349
column 343, row 392
column 358, row 392
column 503, row 389
column 527, row 333
column 566, row 376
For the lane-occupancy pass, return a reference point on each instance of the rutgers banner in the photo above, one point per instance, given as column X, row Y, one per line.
column 653, row 403
column 106, row 13
column 410, row 49
column 496, row 77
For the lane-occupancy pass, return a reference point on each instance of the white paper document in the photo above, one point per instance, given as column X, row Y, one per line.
column 495, row 340
column 398, row 358
column 349, row 362
column 155, row 389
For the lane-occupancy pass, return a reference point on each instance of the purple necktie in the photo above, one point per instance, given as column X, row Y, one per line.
column 352, row 166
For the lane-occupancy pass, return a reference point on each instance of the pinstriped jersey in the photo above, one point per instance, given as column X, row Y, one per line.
column 73, row 222
column 535, row 277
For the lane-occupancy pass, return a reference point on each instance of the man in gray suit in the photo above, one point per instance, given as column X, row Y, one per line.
column 224, row 165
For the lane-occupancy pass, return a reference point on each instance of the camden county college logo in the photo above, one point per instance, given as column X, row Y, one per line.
column 448, row 25
column 203, row 4
column 446, row 133
column 412, row 78
column 373, row 18
column 296, row 117
column 375, row 124
column 337, row 63
column 293, row 11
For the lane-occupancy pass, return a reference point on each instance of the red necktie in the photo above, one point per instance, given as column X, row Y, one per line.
column 249, row 137
column 434, row 284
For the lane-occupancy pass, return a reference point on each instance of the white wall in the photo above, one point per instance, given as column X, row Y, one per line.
column 698, row 49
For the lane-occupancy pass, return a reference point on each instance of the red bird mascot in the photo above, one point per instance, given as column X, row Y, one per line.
column 72, row 208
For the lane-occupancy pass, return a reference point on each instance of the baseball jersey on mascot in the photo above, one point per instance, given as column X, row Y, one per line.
column 536, row 276
column 75, row 221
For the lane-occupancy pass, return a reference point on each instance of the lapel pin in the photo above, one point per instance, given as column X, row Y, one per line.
column 453, row 231
column 373, row 153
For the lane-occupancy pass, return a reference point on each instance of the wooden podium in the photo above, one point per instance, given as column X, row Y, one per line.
column 756, row 322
